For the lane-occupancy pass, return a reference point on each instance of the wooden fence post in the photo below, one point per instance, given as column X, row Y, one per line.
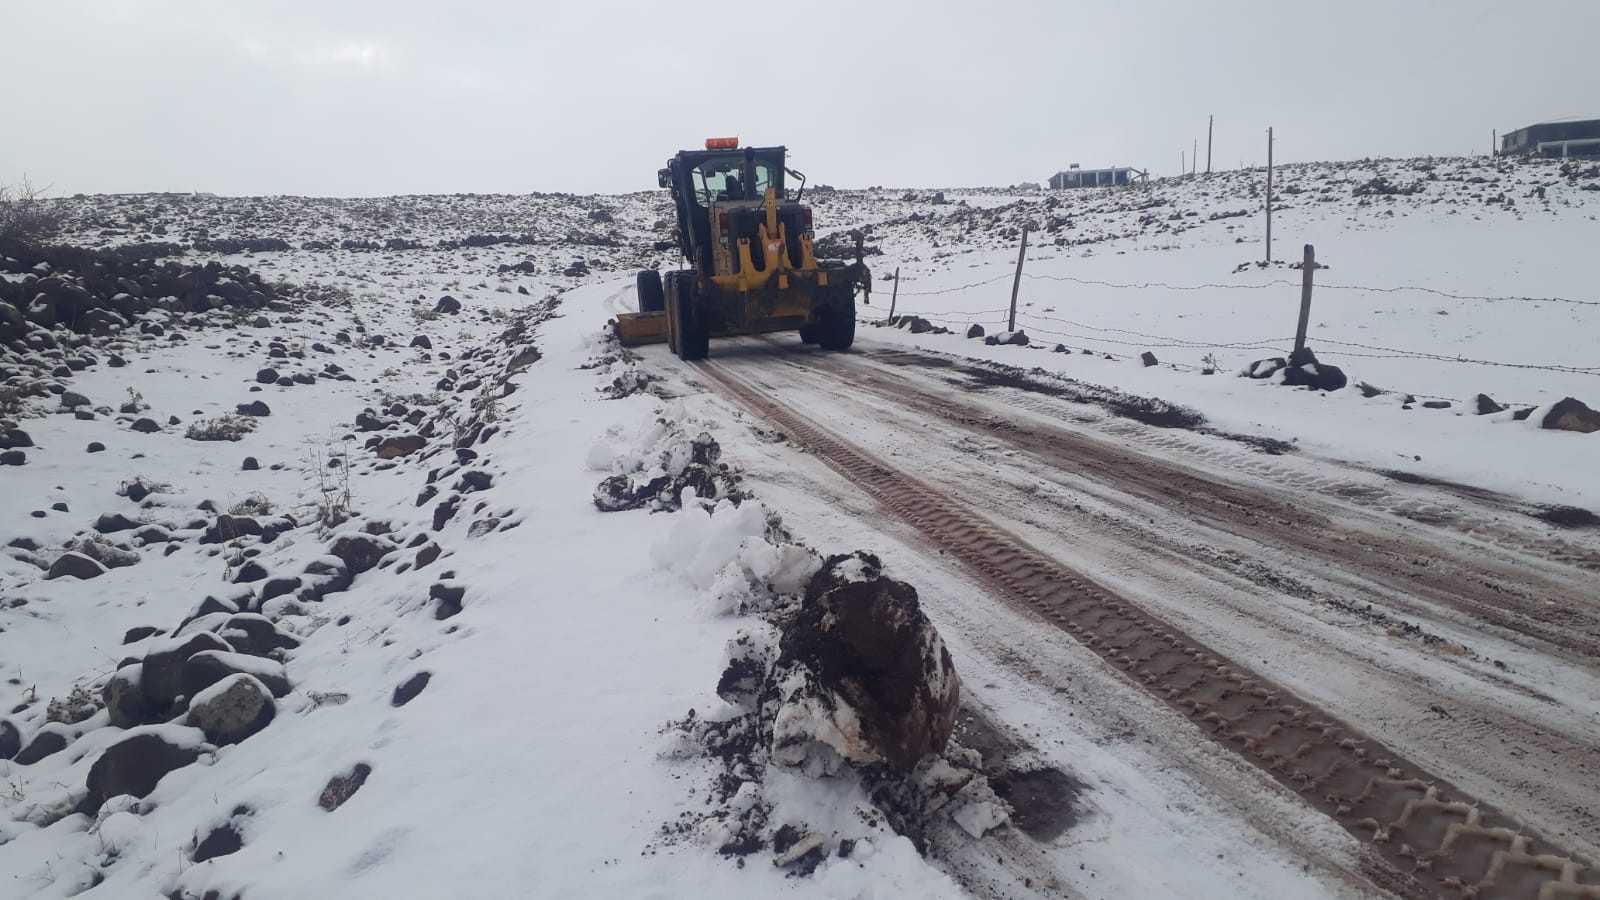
column 1308, row 266
column 895, row 294
column 1269, row 196
column 1016, row 283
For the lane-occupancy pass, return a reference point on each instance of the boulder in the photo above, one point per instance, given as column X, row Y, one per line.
column 862, row 672
column 255, row 635
column 422, row 341
column 145, row 426
column 1265, row 368
column 162, row 677
column 227, row 528
column 279, row 587
column 1149, row 359
column 400, row 445
column 449, row 597
column 447, row 304
column 11, row 736
column 325, row 575
column 974, row 330
column 1571, row 415
column 232, row 709
column 75, row 565
column 254, row 408
column 139, row 632
column 1318, row 376
column 13, row 458
column 125, row 700
column 138, row 762
column 361, row 552
column 208, row 667
column 1487, row 406
column 50, row 740
column 267, row 376
column 111, row 523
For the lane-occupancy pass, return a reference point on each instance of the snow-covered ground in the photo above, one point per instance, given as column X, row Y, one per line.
column 537, row 759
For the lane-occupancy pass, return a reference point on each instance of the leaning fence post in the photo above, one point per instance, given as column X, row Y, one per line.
column 1308, row 266
column 1011, row 324
column 895, row 294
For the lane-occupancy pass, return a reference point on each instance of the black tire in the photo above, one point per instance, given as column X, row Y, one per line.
column 837, row 330
column 694, row 333
column 651, row 297
column 810, row 334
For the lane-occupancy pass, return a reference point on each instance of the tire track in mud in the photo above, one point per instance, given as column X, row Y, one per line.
column 1559, row 611
column 1041, row 395
column 1445, row 843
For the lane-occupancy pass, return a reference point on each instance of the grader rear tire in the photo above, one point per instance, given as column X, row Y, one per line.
column 688, row 331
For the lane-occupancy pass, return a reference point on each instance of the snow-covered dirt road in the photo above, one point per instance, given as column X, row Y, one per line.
column 1328, row 623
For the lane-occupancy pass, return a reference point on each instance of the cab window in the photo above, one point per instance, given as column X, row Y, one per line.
column 717, row 179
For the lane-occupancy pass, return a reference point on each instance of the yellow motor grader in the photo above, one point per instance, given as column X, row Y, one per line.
column 751, row 267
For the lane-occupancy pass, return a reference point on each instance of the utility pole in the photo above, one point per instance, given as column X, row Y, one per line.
column 895, row 295
column 1183, row 164
column 1194, row 157
column 1269, row 196
column 1016, row 283
column 1297, row 358
column 1211, row 122
column 1494, row 142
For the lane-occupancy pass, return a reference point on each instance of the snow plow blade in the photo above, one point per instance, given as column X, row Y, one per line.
column 634, row 329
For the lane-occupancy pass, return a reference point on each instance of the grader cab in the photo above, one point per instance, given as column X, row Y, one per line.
column 751, row 266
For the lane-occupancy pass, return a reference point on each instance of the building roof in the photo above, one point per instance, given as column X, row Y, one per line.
column 1568, row 120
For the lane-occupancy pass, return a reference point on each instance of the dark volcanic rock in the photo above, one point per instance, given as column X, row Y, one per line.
column 410, row 688
column 342, row 787
column 134, row 766
column 125, row 700
column 1571, row 415
column 254, row 408
column 48, row 742
column 233, row 709
column 11, row 738
column 208, row 667
column 400, row 445
column 111, row 523
column 255, row 635
column 75, row 565
column 361, row 552
column 1266, row 368
column 863, row 639
column 162, row 677
column 449, row 597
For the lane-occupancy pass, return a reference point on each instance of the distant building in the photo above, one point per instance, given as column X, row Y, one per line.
column 1562, row 137
column 1081, row 178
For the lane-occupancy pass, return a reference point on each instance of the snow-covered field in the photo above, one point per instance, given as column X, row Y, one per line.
column 561, row 642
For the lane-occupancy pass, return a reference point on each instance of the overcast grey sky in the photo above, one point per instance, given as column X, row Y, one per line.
column 374, row 97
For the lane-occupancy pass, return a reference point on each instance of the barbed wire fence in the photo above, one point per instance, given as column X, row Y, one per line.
column 1100, row 337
